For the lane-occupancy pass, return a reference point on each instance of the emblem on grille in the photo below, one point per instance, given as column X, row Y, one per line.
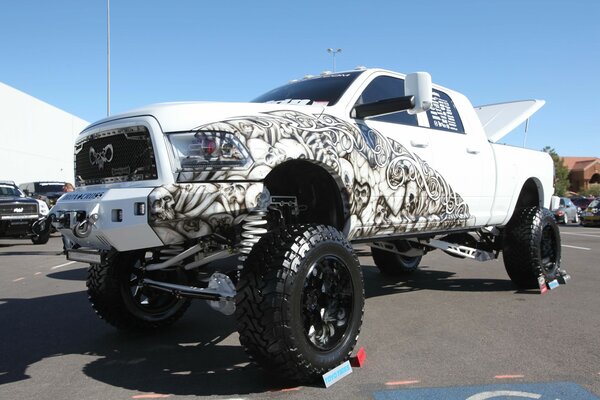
column 18, row 210
column 104, row 156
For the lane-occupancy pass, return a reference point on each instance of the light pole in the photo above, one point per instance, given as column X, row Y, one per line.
column 333, row 53
column 107, row 58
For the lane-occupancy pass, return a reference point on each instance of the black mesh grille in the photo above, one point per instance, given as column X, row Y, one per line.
column 118, row 155
column 27, row 208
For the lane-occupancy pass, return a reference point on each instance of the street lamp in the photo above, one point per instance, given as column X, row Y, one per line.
column 107, row 58
column 333, row 53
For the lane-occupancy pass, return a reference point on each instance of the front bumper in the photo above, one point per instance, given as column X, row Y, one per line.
column 140, row 218
column 17, row 226
column 105, row 219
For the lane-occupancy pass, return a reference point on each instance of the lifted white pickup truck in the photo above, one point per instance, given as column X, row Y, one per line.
column 288, row 182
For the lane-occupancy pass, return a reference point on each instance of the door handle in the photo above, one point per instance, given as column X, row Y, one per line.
column 416, row 143
column 473, row 150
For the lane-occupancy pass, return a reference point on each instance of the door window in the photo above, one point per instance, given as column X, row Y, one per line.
column 387, row 87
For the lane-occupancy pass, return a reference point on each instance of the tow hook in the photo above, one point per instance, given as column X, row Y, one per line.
column 78, row 221
column 84, row 228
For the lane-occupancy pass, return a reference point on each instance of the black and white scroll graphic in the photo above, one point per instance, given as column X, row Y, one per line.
column 390, row 189
column 190, row 210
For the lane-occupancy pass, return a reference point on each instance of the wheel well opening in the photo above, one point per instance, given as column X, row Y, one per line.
column 529, row 196
column 318, row 193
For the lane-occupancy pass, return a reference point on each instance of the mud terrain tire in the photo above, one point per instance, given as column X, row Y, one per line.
column 531, row 247
column 392, row 264
column 115, row 296
column 300, row 301
column 41, row 238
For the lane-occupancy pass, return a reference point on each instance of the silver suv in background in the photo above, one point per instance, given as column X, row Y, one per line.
column 566, row 212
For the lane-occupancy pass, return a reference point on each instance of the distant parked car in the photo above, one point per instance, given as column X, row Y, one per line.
column 582, row 203
column 566, row 212
column 48, row 191
column 591, row 215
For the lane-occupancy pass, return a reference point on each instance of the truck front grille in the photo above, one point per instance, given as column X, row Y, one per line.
column 16, row 209
column 117, row 155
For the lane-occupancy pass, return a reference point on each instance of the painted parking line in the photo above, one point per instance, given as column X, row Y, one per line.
column 63, row 265
column 575, row 247
column 151, row 396
column 18, row 279
column 509, row 376
column 542, row 391
column 579, row 234
column 401, row 383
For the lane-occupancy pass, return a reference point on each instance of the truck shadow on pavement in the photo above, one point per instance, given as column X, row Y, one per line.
column 199, row 355
column 377, row 284
column 30, row 253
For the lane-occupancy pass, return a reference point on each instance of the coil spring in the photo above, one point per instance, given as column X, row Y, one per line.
column 254, row 226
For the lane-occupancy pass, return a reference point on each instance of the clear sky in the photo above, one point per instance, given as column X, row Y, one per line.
column 490, row 50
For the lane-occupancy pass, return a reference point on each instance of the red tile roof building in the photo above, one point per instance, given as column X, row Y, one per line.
column 583, row 171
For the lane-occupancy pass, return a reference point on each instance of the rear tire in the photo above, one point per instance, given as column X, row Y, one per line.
column 393, row 264
column 531, row 247
column 300, row 300
column 117, row 298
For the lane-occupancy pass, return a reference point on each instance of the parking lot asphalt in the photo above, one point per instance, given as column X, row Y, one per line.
column 456, row 328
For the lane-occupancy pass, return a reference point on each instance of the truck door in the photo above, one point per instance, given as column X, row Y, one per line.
column 461, row 153
column 396, row 202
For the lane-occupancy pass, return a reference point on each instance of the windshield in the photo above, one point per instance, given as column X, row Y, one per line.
column 49, row 187
column 10, row 191
column 595, row 204
column 323, row 90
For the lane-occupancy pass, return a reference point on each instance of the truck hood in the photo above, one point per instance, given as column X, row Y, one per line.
column 184, row 116
column 501, row 118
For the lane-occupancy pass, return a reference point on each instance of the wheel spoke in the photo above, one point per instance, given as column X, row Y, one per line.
column 327, row 302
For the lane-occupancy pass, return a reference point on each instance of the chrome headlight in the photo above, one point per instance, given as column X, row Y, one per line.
column 200, row 151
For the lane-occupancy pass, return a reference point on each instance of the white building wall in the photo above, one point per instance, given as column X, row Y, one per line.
column 36, row 139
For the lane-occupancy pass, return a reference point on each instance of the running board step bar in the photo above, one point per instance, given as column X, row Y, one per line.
column 459, row 250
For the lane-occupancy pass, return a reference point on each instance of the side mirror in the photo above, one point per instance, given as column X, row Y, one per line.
column 418, row 84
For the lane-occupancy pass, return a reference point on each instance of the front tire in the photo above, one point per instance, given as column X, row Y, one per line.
column 531, row 247
column 117, row 297
column 300, row 300
column 41, row 238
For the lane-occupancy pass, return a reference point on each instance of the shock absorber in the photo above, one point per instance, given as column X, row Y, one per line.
column 253, row 227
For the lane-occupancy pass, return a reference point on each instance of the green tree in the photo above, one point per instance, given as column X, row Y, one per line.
column 561, row 172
